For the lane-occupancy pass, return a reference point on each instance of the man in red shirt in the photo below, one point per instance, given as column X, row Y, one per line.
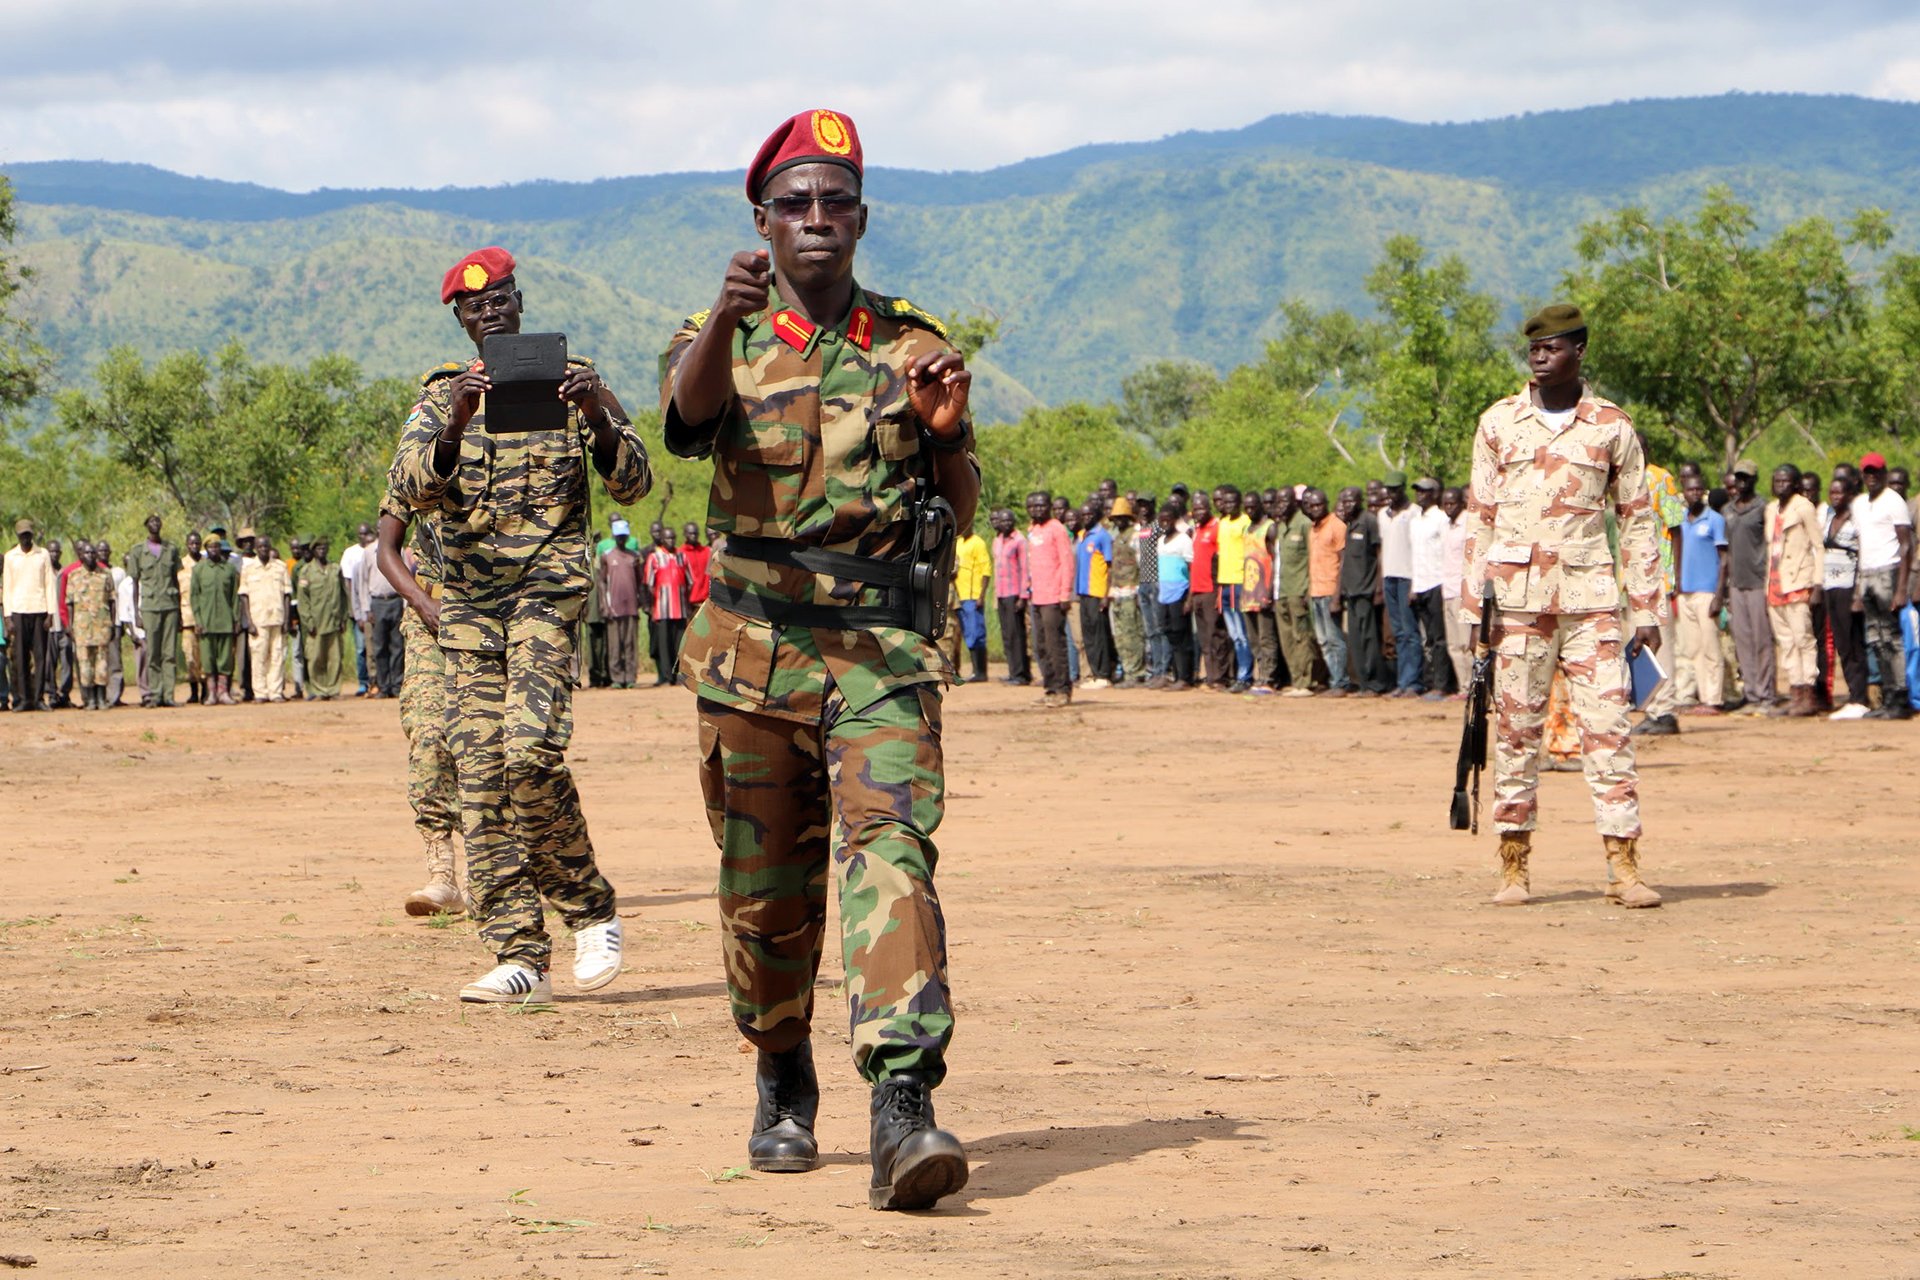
column 696, row 557
column 666, row 578
column 1209, row 631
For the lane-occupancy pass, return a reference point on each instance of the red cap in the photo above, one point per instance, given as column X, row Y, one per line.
column 1873, row 462
column 812, row 137
column 476, row 271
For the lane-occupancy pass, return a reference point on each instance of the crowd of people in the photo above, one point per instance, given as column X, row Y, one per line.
column 233, row 621
column 1289, row 591
column 1283, row 591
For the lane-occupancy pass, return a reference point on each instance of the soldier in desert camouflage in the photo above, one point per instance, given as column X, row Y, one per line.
column 510, row 512
column 432, row 782
column 1548, row 464
column 827, row 411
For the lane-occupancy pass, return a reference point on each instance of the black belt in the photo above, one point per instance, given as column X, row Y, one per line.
column 889, row 575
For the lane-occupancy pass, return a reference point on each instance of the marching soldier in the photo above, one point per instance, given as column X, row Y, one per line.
column 511, row 514
column 831, row 414
column 1548, row 464
column 432, row 789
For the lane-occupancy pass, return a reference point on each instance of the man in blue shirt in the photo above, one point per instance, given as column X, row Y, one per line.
column 1174, row 564
column 1702, row 578
column 1092, row 568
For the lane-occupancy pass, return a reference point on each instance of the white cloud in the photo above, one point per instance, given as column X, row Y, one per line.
column 306, row 93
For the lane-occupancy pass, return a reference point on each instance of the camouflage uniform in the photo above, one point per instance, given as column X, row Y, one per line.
column 512, row 524
column 821, row 744
column 91, row 600
column 1539, row 500
column 432, row 788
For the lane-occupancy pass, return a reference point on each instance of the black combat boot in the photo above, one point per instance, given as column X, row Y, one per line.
column 782, row 1140
column 979, row 664
column 914, row 1163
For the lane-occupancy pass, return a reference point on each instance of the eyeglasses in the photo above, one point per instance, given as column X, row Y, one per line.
column 796, row 208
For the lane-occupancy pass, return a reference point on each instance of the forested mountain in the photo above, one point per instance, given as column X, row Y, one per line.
column 1095, row 259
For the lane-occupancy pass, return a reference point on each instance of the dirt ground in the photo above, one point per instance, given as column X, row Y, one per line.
column 1229, row 1001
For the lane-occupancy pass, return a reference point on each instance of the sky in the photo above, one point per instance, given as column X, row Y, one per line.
column 299, row 94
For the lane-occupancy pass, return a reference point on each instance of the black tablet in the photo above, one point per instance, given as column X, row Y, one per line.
column 526, row 370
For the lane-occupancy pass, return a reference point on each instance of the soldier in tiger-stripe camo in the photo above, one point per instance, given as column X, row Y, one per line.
column 1549, row 463
column 510, row 512
column 828, row 411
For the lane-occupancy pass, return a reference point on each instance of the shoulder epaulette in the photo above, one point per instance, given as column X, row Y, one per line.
column 901, row 309
column 440, row 371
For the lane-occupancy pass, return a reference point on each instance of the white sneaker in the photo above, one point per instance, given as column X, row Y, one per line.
column 509, row 984
column 596, row 955
column 1852, row 711
column 1095, row 683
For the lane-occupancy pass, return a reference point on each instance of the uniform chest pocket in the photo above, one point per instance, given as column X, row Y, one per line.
column 556, row 476
column 770, row 444
column 896, row 432
column 1580, row 481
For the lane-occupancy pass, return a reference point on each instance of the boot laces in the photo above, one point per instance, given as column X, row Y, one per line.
column 906, row 1101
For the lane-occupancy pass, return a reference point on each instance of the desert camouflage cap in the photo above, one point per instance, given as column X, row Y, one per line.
column 1554, row 320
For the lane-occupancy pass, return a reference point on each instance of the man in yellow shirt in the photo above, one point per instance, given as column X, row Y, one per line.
column 973, row 578
column 1231, row 575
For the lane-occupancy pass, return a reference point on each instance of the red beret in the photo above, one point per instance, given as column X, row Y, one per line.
column 476, row 271
column 809, row 138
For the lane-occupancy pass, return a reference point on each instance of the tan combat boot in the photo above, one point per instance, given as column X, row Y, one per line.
column 441, row 894
column 1624, row 885
column 1515, row 887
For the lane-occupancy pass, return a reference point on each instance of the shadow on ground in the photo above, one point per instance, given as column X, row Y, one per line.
column 635, row 901
column 1669, row 892
column 1014, row 1164
column 644, row 995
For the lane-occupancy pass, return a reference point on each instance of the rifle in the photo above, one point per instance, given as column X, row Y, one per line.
column 1465, row 814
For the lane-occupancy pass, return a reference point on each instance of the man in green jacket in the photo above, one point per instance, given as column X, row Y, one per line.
column 215, row 597
column 320, row 593
column 154, row 566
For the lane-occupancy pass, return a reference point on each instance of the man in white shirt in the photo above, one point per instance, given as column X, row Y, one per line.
column 1396, row 572
column 1880, row 591
column 1427, row 528
column 125, row 623
column 28, row 595
column 1453, row 503
column 351, row 562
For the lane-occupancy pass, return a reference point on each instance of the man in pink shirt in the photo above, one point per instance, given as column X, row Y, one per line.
column 1050, row 561
column 1013, row 590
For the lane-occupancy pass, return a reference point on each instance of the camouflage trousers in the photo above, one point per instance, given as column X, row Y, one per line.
column 431, row 786
column 90, row 664
column 863, row 791
column 1590, row 649
column 507, row 728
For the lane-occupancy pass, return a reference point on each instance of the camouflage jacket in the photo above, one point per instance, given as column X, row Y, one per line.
column 1538, row 506
column 90, row 604
column 819, row 446
column 512, row 518
column 425, row 528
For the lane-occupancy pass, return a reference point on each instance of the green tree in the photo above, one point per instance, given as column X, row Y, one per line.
column 973, row 332
column 1158, row 399
column 1726, row 334
column 1290, row 416
column 1442, row 365
column 23, row 362
column 1068, row 449
column 238, row 442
